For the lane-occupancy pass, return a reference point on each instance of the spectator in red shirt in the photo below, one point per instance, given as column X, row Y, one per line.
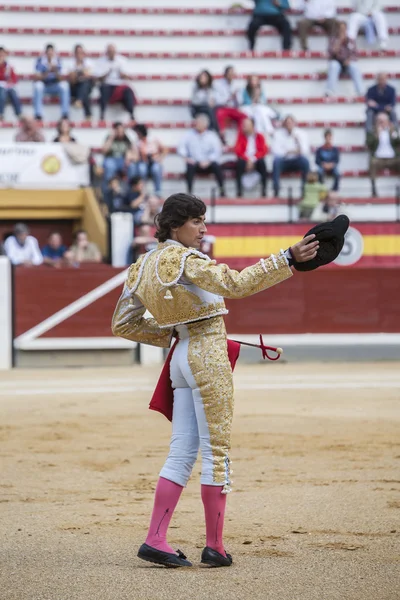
column 8, row 80
column 251, row 149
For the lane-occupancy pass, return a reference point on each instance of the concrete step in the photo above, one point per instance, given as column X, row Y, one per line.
column 93, row 134
column 159, row 40
column 144, row 114
column 244, row 62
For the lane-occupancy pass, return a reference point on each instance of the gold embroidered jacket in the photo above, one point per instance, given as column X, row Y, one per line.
column 180, row 285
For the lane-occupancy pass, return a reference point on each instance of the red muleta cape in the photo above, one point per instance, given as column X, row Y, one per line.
column 163, row 397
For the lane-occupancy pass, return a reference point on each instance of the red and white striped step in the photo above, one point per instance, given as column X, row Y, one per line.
column 185, row 124
column 177, row 102
column 262, row 77
column 147, row 11
column 148, row 32
column 284, row 54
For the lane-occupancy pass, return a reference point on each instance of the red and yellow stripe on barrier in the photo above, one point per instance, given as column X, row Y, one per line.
column 241, row 244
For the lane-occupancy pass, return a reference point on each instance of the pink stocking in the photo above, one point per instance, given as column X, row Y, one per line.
column 214, row 510
column 165, row 500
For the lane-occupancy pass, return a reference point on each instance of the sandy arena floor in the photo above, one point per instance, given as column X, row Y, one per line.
column 315, row 508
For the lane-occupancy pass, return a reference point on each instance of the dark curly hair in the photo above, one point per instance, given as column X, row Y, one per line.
column 177, row 209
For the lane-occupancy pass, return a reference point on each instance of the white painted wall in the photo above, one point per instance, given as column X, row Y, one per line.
column 5, row 314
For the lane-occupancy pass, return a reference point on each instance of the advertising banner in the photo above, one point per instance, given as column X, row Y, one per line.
column 41, row 166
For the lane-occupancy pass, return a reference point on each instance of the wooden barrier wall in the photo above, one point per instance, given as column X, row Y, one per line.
column 336, row 300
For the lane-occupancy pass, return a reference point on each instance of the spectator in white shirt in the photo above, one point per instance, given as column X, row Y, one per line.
column 113, row 72
column 317, row 13
column 290, row 149
column 22, row 248
column 80, row 80
column 369, row 15
column 201, row 149
column 226, row 100
column 384, row 146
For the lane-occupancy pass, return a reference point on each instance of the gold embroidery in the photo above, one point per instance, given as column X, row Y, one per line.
column 211, row 369
column 220, row 279
column 165, row 265
column 128, row 322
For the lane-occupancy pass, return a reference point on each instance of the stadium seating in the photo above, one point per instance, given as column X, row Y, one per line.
column 167, row 47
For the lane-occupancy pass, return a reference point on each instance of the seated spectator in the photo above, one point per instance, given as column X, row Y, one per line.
column 82, row 250
column 120, row 154
column 226, row 99
column 270, row 12
column 140, row 203
column 28, row 131
column 8, row 81
column 22, row 248
column 328, row 209
column 81, row 80
column 314, row 192
column 54, row 251
column 250, row 150
column 151, row 154
column 380, row 98
column 48, row 81
column 113, row 72
column 342, row 53
column 327, row 160
column 369, row 15
column 317, row 13
column 203, row 98
column 384, row 146
column 254, row 105
column 202, row 150
column 290, row 149
column 115, row 196
column 144, row 207
column 64, row 132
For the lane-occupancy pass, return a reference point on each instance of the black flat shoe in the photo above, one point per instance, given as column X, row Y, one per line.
column 215, row 559
column 159, row 557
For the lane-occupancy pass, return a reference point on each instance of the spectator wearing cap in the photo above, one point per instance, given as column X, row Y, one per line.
column 270, row 12
column 250, row 150
column 290, row 149
column 8, row 81
column 317, row 13
column 342, row 53
column 54, row 251
column 384, row 146
column 48, row 80
column 203, row 98
column 202, row 151
column 327, row 160
column 381, row 98
column 151, row 154
column 28, row 131
column 369, row 15
column 227, row 102
column 112, row 70
column 80, row 77
column 82, row 250
column 22, row 248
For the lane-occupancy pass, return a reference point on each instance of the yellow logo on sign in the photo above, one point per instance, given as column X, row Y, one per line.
column 51, row 164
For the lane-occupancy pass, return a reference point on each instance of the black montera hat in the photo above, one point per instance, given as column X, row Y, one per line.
column 331, row 240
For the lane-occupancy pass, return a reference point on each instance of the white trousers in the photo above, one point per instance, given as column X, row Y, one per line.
column 357, row 20
column 191, row 427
